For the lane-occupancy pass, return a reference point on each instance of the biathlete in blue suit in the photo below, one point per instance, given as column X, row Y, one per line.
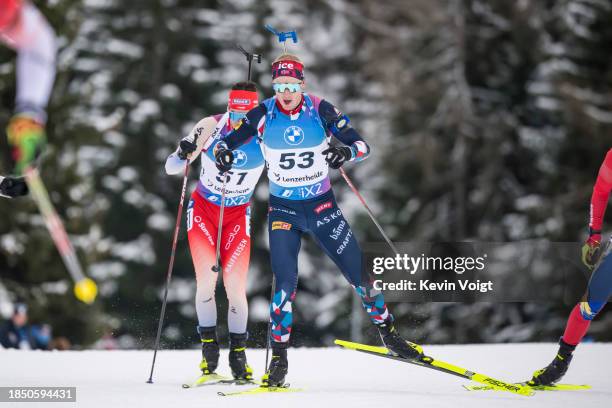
column 295, row 129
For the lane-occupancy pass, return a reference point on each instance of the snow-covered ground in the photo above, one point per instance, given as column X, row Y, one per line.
column 330, row 377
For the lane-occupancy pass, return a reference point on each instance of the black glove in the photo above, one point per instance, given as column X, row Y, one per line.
column 224, row 158
column 186, row 147
column 336, row 156
column 13, row 187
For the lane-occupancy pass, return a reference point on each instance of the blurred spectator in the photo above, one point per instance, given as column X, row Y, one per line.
column 17, row 333
column 60, row 343
column 106, row 342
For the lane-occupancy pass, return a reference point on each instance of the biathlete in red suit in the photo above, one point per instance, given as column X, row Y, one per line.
column 203, row 215
column 599, row 288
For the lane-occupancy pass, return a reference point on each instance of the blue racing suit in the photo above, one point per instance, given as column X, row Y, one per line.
column 301, row 200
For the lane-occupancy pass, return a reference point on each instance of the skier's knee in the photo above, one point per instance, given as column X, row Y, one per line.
column 367, row 292
column 590, row 309
column 236, row 296
column 205, row 292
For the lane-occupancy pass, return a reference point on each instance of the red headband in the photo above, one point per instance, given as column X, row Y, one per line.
column 241, row 100
column 288, row 68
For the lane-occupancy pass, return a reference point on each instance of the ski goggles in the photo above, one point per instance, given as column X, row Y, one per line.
column 287, row 87
column 237, row 116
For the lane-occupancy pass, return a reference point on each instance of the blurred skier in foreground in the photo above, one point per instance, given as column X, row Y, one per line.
column 24, row 29
column 203, row 214
column 600, row 285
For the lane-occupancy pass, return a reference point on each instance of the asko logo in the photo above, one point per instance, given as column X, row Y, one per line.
column 325, row 206
column 286, row 65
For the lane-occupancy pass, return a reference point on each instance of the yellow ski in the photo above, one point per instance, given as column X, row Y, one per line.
column 556, row 387
column 206, row 379
column 259, row 390
column 442, row 366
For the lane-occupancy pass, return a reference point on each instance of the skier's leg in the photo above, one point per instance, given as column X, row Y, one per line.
column 285, row 228
column 597, row 295
column 201, row 233
column 335, row 236
column 600, row 287
column 333, row 233
column 284, row 248
column 235, row 254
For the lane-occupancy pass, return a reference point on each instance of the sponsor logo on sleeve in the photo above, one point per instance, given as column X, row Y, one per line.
column 280, row 225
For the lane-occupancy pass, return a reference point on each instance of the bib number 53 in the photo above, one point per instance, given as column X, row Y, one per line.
column 303, row 160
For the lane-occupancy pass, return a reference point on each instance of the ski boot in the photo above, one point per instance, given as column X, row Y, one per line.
column 279, row 366
column 11, row 187
column 210, row 349
column 394, row 342
column 237, row 357
column 555, row 370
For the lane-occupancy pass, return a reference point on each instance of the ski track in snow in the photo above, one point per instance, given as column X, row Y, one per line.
column 330, row 377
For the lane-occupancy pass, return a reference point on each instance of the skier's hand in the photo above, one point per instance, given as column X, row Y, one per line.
column 27, row 138
column 337, row 156
column 590, row 250
column 224, row 158
column 186, row 147
column 13, row 187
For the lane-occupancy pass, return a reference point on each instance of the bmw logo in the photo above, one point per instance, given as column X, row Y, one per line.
column 294, row 135
column 240, row 158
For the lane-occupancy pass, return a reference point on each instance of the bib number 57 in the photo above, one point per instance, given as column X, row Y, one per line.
column 229, row 175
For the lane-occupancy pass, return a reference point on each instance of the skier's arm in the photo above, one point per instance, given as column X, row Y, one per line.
column 35, row 43
column 601, row 193
column 203, row 130
column 338, row 124
column 247, row 128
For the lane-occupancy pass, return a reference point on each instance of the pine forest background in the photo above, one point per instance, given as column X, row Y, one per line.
column 488, row 121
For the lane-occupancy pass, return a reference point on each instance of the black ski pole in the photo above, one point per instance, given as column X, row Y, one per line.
column 177, row 227
column 217, row 267
column 250, row 57
column 350, row 183
column 170, row 266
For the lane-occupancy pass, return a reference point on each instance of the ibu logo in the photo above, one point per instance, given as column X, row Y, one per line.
column 294, row 135
column 240, row 158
